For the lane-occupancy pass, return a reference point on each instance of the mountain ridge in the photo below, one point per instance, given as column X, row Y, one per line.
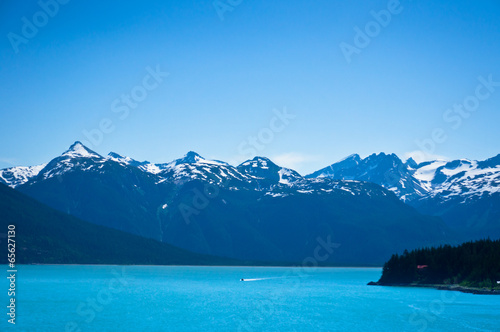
column 464, row 193
column 255, row 211
column 14, row 176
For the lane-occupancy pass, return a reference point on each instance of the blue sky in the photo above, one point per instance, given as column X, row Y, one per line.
column 228, row 79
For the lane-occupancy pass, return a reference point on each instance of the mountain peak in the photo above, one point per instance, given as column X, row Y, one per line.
column 263, row 167
column 261, row 159
column 191, row 157
column 78, row 150
column 411, row 162
column 76, row 145
column 114, row 155
column 193, row 154
column 353, row 156
column 350, row 161
column 259, row 162
column 382, row 155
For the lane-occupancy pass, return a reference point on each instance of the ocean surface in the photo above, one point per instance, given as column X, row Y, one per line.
column 180, row 298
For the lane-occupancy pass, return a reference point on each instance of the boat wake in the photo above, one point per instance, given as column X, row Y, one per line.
column 257, row 279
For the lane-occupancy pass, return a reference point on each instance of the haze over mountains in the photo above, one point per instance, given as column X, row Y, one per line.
column 357, row 211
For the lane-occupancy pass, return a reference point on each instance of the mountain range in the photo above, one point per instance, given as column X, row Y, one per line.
column 357, row 211
column 464, row 193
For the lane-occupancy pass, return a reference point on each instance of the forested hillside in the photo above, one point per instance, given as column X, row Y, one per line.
column 472, row 264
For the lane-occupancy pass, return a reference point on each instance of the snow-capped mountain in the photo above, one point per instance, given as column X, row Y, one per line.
column 265, row 169
column 410, row 181
column 461, row 179
column 16, row 176
column 77, row 156
column 194, row 167
column 385, row 170
column 256, row 210
column 465, row 193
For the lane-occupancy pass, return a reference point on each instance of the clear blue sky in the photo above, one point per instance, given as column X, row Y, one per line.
column 227, row 76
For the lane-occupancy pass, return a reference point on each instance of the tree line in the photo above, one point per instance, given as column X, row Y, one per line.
column 471, row 264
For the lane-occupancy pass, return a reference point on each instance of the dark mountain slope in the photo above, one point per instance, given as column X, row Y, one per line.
column 248, row 224
column 44, row 235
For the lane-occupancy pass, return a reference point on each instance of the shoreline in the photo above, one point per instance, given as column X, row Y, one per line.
column 454, row 287
column 205, row 265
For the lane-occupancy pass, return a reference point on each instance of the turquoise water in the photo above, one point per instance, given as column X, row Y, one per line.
column 156, row 298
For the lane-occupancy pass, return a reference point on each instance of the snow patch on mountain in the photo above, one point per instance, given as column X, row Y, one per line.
column 427, row 172
column 16, row 176
column 464, row 166
column 150, row 168
column 467, row 181
column 287, row 176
